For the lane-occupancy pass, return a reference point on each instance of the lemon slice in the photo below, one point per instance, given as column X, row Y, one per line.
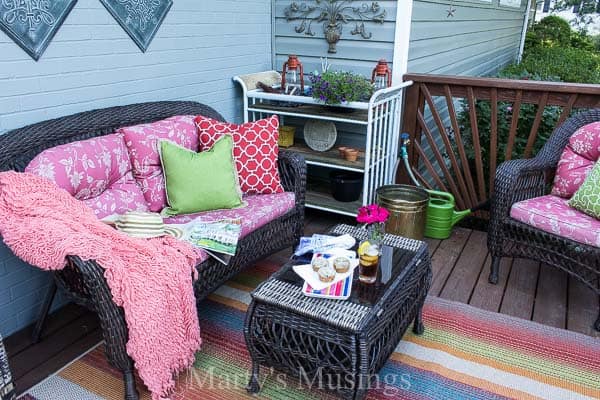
column 364, row 246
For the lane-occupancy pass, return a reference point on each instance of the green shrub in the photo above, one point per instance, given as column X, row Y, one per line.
column 554, row 31
column 581, row 40
column 596, row 42
column 549, row 32
column 565, row 63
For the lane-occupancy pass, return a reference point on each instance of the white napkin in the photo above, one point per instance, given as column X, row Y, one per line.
column 311, row 277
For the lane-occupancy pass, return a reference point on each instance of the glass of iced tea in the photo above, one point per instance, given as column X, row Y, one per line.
column 368, row 259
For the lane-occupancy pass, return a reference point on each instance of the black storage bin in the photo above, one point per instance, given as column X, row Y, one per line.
column 346, row 186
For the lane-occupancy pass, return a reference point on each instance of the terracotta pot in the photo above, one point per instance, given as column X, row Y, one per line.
column 342, row 151
column 351, row 154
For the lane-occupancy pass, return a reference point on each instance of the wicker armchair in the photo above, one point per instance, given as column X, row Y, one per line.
column 518, row 180
column 7, row 389
column 84, row 281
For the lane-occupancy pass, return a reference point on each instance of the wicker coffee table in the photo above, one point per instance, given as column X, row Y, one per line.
column 338, row 344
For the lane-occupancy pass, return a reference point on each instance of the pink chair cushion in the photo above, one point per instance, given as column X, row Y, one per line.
column 261, row 209
column 97, row 171
column 577, row 160
column 141, row 141
column 553, row 214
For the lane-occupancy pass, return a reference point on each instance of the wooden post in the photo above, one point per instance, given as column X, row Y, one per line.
column 409, row 125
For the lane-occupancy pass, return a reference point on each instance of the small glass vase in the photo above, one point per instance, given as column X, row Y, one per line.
column 369, row 253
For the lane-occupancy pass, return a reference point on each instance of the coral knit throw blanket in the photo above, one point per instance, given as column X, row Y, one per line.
column 150, row 279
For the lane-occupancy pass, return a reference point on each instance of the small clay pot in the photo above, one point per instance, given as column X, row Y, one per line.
column 342, row 151
column 351, row 154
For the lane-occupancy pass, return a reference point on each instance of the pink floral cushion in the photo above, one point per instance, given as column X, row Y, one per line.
column 97, row 171
column 553, row 214
column 577, row 160
column 261, row 209
column 142, row 140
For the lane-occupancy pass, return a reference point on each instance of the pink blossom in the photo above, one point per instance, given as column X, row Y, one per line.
column 371, row 214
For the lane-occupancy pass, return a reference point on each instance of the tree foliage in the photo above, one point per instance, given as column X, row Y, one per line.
column 583, row 12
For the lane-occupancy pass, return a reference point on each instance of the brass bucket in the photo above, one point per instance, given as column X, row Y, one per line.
column 408, row 209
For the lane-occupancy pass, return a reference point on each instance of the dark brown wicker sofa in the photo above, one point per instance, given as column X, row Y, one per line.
column 518, row 180
column 84, row 281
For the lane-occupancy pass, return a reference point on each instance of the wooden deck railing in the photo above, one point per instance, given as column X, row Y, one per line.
column 454, row 162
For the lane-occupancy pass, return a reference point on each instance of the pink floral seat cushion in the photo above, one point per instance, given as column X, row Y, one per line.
column 577, row 160
column 142, row 140
column 552, row 214
column 97, row 171
column 261, row 209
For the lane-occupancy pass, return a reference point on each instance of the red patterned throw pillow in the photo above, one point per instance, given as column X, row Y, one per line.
column 254, row 149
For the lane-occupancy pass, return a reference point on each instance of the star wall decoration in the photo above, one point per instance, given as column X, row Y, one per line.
column 451, row 10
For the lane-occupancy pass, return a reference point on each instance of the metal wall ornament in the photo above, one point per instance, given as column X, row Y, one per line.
column 334, row 14
column 33, row 23
column 139, row 18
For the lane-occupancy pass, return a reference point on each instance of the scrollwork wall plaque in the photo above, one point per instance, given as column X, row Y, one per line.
column 139, row 18
column 33, row 23
column 333, row 15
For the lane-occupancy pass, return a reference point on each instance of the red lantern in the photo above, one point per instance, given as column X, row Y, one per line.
column 382, row 75
column 292, row 75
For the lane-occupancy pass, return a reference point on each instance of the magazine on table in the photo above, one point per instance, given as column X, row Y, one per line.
column 219, row 238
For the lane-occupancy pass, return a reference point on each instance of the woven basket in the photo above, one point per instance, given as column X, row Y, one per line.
column 320, row 135
column 286, row 136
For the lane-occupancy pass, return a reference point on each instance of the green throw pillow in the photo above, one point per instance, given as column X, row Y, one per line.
column 200, row 181
column 587, row 198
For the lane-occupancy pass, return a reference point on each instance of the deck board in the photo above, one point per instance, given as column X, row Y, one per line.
column 445, row 257
column 551, row 297
column 21, row 340
column 582, row 308
column 460, row 266
column 460, row 284
column 486, row 295
column 519, row 296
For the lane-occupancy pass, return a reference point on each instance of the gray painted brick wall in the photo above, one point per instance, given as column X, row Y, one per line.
column 92, row 63
column 22, row 290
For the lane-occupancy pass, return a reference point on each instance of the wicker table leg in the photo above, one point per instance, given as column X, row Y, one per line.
column 253, row 386
column 418, row 327
column 597, row 323
column 130, row 391
column 41, row 322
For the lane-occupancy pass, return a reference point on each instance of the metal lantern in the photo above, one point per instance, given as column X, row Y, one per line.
column 292, row 76
column 382, row 75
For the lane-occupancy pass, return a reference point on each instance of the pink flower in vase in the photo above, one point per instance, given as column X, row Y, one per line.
column 371, row 214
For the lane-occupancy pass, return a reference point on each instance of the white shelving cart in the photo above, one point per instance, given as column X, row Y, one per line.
column 379, row 122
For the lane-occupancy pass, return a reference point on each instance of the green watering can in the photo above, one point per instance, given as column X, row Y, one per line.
column 441, row 215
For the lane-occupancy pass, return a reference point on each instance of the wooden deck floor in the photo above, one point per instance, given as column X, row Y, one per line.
column 460, row 268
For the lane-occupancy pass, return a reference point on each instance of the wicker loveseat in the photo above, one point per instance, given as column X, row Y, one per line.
column 84, row 281
column 524, row 181
column 7, row 389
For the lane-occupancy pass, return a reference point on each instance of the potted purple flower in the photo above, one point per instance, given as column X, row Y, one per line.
column 340, row 87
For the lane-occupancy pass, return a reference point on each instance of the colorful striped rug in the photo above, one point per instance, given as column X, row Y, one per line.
column 465, row 353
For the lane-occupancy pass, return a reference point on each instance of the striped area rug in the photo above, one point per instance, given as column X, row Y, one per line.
column 465, row 353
